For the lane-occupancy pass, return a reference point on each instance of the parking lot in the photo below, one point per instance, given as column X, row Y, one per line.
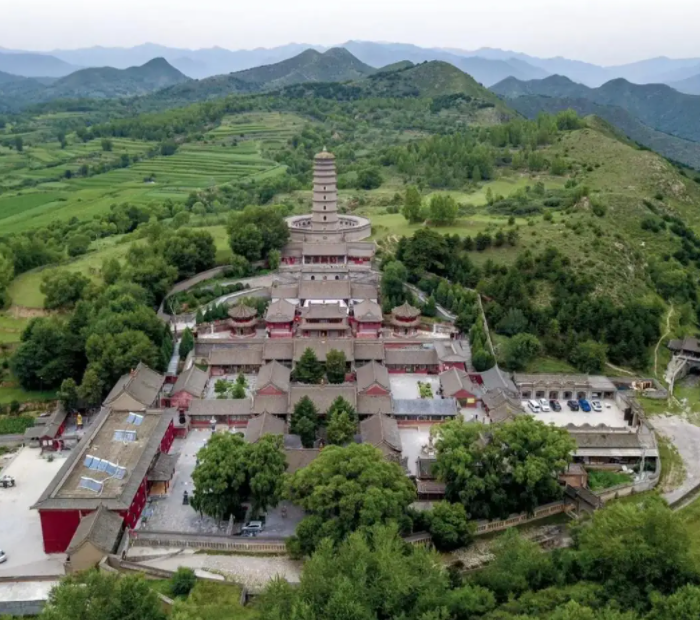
column 406, row 386
column 20, row 527
column 611, row 415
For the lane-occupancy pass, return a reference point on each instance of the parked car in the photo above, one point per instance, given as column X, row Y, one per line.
column 596, row 406
column 572, row 404
column 544, row 404
column 534, row 406
column 585, row 405
column 7, row 481
column 554, row 404
column 3, row 556
column 253, row 527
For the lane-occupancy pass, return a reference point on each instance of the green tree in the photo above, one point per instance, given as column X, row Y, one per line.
column 482, row 360
column 151, row 272
column 7, row 273
column 68, row 394
column 346, row 489
column 266, row 467
column 450, row 527
column 683, row 604
column 221, row 476
column 342, row 422
column 369, row 178
column 221, row 387
column 513, row 322
column 268, row 220
column 442, row 209
column 247, row 242
column 113, row 355
column 94, row 595
column 336, row 365
column 308, row 369
column 394, row 278
column 62, row 289
column 183, row 581
column 413, row 205
column 304, row 421
column 111, row 271
column 238, row 391
column 90, row 390
column 515, row 470
column 635, row 549
column 106, row 144
column 430, row 307
column 189, row 251
column 520, row 350
column 78, row 245
column 186, row 343
column 19, row 144
column 366, row 577
column 273, row 259
column 589, row 356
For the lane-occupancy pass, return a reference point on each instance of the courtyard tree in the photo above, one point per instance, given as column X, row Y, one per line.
column 336, row 365
column 308, row 369
column 344, row 490
column 266, row 466
column 342, row 422
column 514, row 470
column 221, row 476
column 186, row 343
column 304, row 421
column 94, row 595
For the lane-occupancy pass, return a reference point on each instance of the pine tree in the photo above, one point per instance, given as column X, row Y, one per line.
column 308, row 368
column 335, row 366
column 305, row 421
column 186, row 344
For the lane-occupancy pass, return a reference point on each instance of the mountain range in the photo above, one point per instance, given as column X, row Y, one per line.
column 486, row 65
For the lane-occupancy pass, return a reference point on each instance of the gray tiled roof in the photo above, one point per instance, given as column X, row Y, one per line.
column 454, row 380
column 101, row 527
column 358, row 290
column 410, row 357
column 372, row 373
column 193, row 381
column 322, row 395
column 501, row 405
column 381, row 430
column 368, row 310
column 494, row 378
column 274, row 373
column 324, row 289
column 278, row 349
column 425, row 406
column 243, row 355
column 298, row 459
column 216, row 407
column 271, row 404
column 264, row 424
column 143, row 384
column 602, row 439
column 321, row 346
column 325, row 249
column 452, row 351
column 280, row 311
column 369, row 405
column 317, row 312
column 367, row 350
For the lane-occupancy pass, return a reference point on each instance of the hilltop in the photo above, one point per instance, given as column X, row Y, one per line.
column 689, row 86
column 656, row 105
column 335, row 65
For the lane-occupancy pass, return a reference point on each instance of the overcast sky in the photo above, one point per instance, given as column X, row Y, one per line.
column 600, row 31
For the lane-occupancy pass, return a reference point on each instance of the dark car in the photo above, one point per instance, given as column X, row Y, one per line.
column 585, row 405
column 554, row 404
column 572, row 404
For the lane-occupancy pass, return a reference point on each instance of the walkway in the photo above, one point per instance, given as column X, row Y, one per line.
column 175, row 359
column 686, row 437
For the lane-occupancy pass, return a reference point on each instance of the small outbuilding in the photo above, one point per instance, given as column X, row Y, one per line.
column 97, row 536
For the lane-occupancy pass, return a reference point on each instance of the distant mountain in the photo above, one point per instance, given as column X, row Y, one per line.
column 6, row 78
column 335, row 65
column 34, row 65
column 656, row 105
column 102, row 83
column 429, row 79
column 483, row 70
column 678, row 149
column 659, row 70
column 689, row 86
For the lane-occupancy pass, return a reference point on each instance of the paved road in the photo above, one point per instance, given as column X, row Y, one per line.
column 686, row 437
column 8, row 440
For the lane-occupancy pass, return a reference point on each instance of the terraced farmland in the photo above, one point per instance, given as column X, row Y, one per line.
column 230, row 152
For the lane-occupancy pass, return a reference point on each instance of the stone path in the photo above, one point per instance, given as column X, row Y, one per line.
column 686, row 437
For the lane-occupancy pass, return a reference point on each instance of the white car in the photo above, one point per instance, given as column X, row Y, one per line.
column 544, row 404
column 3, row 556
column 253, row 527
column 596, row 406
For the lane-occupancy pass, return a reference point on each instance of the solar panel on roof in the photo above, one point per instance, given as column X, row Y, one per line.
column 121, row 472
column 90, row 484
column 88, row 461
column 118, row 435
column 129, row 435
column 111, row 469
column 135, row 419
column 103, row 465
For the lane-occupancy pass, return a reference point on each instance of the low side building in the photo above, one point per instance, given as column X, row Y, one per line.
column 279, row 319
column 382, row 431
column 47, row 432
column 501, row 406
column 455, row 383
column 138, row 390
column 606, row 446
column 425, row 409
column 190, row 384
column 373, row 380
column 453, row 354
column 367, row 319
column 233, row 412
column 96, row 537
column 411, row 359
column 235, row 359
column 109, row 468
column 565, row 387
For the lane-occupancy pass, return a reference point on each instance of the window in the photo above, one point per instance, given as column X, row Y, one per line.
column 324, row 218
column 324, row 207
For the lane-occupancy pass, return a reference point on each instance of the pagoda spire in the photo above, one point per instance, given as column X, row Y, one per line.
column 324, row 212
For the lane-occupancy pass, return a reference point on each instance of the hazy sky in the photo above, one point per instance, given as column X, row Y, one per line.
column 600, row 31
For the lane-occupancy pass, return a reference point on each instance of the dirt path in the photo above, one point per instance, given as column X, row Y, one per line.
column 658, row 344
column 622, row 370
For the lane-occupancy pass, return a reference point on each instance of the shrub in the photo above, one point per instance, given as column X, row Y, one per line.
column 182, row 582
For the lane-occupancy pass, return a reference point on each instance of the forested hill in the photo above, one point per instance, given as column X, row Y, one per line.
column 101, row 83
column 656, row 105
column 686, row 152
column 335, row 65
